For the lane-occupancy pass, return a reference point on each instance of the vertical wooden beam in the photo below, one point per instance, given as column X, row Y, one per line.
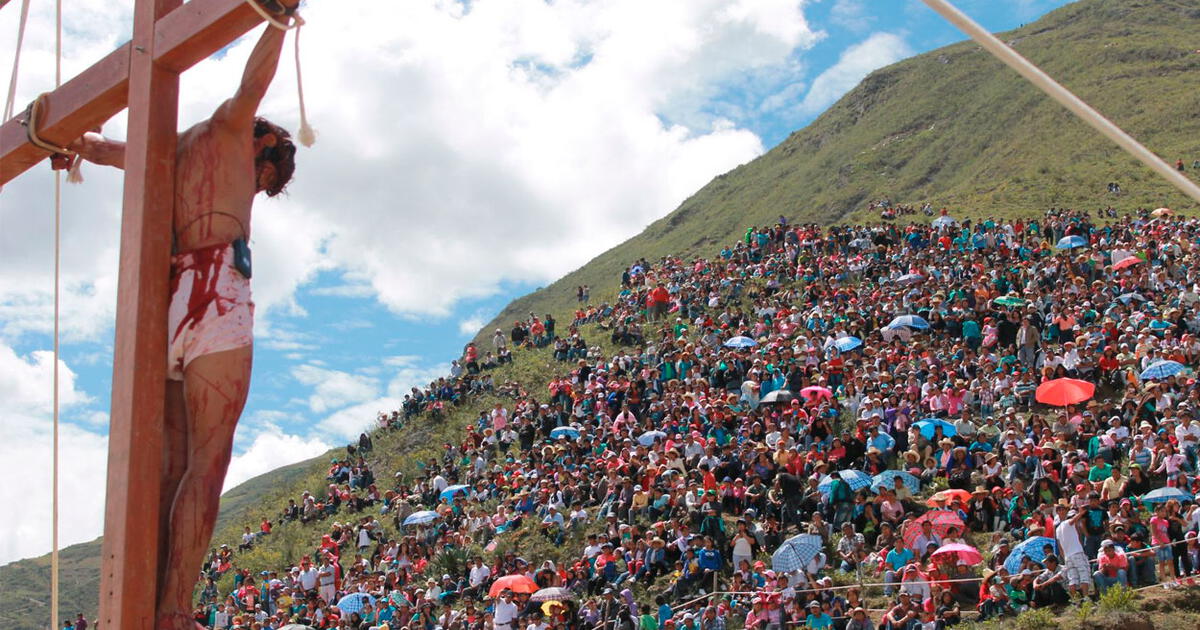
column 129, row 572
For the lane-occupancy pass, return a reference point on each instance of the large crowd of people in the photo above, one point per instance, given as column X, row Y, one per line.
column 853, row 427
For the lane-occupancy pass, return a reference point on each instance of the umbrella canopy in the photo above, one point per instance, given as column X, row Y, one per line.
column 929, row 425
column 297, row 626
column 795, row 552
column 777, row 396
column 1061, row 392
column 1008, row 300
column 514, row 583
column 1071, row 242
column 422, row 517
column 915, row 322
column 941, row 520
column 740, row 342
column 450, row 491
column 1162, row 495
column 910, row 278
column 944, row 221
column 1162, row 369
column 948, row 497
column 552, row 594
column 354, row 602
column 1129, row 297
column 1029, row 548
column 815, row 392
column 1161, row 212
column 958, row 552
column 649, row 437
column 886, row 479
column 847, row 343
column 1126, row 262
column 564, row 432
column 857, row 480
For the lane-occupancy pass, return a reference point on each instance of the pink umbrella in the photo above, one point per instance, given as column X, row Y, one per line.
column 814, row 392
column 958, row 551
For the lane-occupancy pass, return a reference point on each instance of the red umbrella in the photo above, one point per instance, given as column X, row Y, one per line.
column 1061, row 392
column 948, row 497
column 942, row 521
column 514, row 583
column 1126, row 262
column 959, row 552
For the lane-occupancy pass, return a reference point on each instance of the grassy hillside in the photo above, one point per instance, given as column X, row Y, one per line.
column 958, row 129
column 952, row 127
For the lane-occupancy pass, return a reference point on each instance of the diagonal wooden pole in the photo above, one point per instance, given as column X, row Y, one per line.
column 1056, row 91
column 129, row 571
column 181, row 39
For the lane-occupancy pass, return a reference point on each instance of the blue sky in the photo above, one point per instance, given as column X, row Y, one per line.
column 485, row 150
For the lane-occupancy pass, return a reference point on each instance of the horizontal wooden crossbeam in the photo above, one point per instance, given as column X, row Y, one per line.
column 182, row 38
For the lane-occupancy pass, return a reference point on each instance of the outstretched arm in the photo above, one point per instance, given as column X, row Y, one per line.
column 94, row 148
column 260, row 70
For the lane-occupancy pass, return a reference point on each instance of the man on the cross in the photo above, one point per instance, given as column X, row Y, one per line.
column 221, row 164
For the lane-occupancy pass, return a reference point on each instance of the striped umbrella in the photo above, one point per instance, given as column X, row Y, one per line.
column 886, row 479
column 857, row 480
column 1029, row 548
column 422, row 517
column 355, row 602
column 795, row 552
column 552, row 594
column 942, row 521
column 1162, row 369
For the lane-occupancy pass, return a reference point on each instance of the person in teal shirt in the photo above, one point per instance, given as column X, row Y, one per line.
column 816, row 617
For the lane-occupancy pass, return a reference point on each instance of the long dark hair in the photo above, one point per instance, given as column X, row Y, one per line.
column 282, row 155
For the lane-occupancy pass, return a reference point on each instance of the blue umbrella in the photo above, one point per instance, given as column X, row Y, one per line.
column 847, row 343
column 795, row 552
column 1030, row 548
column 450, row 491
column 1162, row 495
column 856, row 478
column 422, row 517
column 885, row 480
column 565, row 432
column 909, row 321
column 928, row 425
column 1071, row 242
column 354, row 602
column 1162, row 369
column 648, row 438
column 1129, row 297
column 741, row 342
column 910, row 277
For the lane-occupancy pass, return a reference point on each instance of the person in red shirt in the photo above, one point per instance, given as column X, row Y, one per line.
column 1113, row 567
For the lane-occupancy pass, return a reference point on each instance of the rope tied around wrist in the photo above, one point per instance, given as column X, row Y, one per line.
column 306, row 134
column 32, row 120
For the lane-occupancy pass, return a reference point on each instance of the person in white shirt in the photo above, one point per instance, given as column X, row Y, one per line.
column 326, row 581
column 480, row 572
column 308, row 576
column 1066, row 531
column 505, row 613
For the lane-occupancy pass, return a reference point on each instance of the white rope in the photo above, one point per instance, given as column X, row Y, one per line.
column 306, row 135
column 12, row 81
column 1025, row 68
column 57, row 281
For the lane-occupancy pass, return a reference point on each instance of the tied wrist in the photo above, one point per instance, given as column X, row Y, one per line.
column 277, row 8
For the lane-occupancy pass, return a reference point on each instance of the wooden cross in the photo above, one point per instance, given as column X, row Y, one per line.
column 168, row 38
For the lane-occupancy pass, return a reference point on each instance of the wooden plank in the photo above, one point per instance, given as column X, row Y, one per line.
column 181, row 39
column 130, row 556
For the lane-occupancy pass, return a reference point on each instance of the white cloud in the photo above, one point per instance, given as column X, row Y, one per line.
column 471, row 325
column 271, row 448
column 26, row 440
column 856, row 62
column 851, row 14
column 333, row 389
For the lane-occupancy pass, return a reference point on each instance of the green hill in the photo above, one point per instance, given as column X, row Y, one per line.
column 952, row 127
column 956, row 128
